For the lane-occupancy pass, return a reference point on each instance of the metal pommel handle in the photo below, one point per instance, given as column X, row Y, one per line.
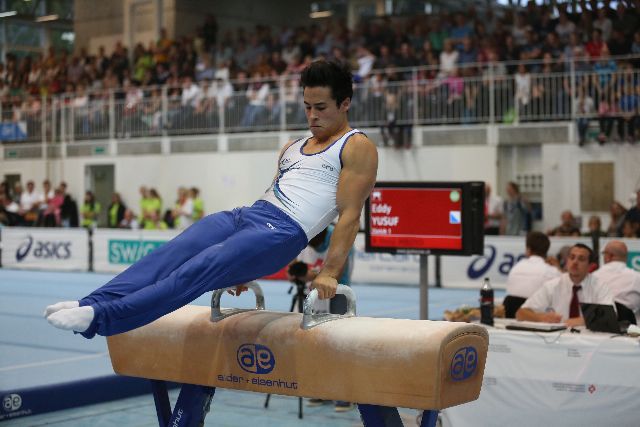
column 218, row 313
column 311, row 319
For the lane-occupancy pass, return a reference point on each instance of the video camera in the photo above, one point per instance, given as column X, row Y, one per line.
column 298, row 270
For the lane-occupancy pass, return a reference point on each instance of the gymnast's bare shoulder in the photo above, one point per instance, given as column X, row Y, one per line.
column 359, row 170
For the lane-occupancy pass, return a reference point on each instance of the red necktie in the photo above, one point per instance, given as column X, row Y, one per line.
column 574, row 308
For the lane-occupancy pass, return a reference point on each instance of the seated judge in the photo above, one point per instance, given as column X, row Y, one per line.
column 558, row 300
column 528, row 275
column 622, row 280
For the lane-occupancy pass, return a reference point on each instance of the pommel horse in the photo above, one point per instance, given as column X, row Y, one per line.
column 379, row 363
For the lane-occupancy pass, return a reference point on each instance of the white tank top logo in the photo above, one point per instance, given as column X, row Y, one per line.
column 306, row 185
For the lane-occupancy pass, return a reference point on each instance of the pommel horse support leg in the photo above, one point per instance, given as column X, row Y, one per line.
column 379, row 363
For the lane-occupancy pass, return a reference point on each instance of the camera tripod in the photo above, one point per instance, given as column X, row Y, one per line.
column 298, row 298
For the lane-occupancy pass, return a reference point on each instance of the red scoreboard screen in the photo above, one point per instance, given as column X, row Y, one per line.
column 420, row 217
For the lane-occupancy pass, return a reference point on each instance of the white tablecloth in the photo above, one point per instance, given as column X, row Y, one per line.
column 555, row 379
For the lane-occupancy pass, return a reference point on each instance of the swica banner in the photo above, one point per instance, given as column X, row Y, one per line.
column 115, row 250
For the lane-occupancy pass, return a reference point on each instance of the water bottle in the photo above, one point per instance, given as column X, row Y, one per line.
column 486, row 303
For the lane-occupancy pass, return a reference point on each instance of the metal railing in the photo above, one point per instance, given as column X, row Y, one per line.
column 421, row 97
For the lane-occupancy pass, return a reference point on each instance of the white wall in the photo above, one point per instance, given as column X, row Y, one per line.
column 35, row 170
column 439, row 163
column 226, row 180
column 231, row 179
column 514, row 160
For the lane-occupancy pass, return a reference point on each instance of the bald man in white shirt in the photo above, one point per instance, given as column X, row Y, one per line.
column 559, row 299
column 622, row 280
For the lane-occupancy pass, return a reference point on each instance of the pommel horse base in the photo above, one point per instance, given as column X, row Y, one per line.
column 379, row 363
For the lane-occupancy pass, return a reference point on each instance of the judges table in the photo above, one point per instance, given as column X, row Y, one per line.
column 555, row 379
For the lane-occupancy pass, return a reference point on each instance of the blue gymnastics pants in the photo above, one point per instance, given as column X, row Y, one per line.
column 221, row 250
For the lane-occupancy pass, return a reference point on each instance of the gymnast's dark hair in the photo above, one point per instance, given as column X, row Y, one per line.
column 330, row 74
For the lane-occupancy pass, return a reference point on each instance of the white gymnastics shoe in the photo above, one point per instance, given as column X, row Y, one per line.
column 72, row 319
column 60, row 306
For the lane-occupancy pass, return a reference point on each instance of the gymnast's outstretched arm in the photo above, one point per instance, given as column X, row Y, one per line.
column 357, row 178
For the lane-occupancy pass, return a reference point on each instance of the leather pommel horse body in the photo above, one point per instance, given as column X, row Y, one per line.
column 416, row 364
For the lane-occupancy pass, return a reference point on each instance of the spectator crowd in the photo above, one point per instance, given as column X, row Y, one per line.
column 238, row 72
column 55, row 207
column 513, row 216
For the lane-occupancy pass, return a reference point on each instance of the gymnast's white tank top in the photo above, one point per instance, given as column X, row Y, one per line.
column 306, row 185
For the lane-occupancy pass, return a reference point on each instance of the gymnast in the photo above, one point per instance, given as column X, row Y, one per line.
column 328, row 174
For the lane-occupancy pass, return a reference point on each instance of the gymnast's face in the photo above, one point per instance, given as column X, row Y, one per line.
column 325, row 118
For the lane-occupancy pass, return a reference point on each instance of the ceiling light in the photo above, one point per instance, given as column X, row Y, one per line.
column 47, row 18
column 69, row 36
column 321, row 14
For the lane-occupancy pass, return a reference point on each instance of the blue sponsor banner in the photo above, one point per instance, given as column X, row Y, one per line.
column 14, row 131
column 54, row 397
column 501, row 253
